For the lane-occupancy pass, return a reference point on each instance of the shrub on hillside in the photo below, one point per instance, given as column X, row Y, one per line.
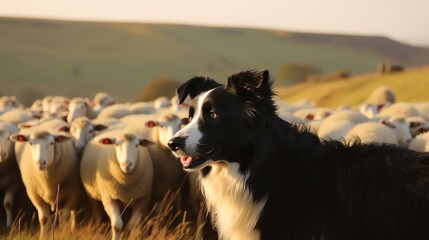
column 293, row 73
column 159, row 87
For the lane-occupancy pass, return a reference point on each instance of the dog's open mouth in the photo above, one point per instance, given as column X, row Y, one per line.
column 190, row 162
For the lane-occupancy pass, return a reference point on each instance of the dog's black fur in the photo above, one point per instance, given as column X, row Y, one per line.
column 314, row 189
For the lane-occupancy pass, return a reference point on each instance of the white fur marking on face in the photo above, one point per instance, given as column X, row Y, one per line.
column 231, row 204
column 191, row 130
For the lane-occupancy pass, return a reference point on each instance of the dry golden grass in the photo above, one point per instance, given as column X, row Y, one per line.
column 409, row 86
column 163, row 222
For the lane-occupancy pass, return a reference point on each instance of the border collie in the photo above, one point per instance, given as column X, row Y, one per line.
column 264, row 178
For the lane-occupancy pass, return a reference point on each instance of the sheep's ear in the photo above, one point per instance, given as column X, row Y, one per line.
column 24, row 125
column 19, row 137
column 387, row 124
column 151, row 124
column 145, row 142
column 310, row 117
column 100, row 127
column 64, row 129
column 194, row 87
column 107, row 141
column 415, row 124
column 61, row 138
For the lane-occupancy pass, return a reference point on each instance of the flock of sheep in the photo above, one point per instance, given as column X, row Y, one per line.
column 66, row 150
column 113, row 154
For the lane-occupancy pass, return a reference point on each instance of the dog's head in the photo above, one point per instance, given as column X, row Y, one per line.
column 225, row 121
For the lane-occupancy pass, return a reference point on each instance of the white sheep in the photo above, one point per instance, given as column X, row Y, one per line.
column 7, row 103
column 83, row 130
column 370, row 132
column 423, row 108
column 16, row 116
column 159, row 128
column 161, row 102
column 337, row 125
column 381, row 96
column 9, row 171
column 49, row 124
column 115, row 111
column 80, row 107
column 418, row 125
column 401, row 129
column 116, row 170
column 57, row 107
column 102, row 100
column 399, row 110
column 142, row 108
column 313, row 113
column 420, row 143
column 48, row 163
column 168, row 172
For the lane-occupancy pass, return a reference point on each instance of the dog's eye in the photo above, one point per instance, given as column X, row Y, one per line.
column 213, row 115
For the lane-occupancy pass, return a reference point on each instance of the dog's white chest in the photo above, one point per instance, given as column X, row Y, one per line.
column 234, row 212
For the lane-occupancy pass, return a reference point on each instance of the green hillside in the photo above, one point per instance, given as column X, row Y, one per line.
column 40, row 57
column 409, row 86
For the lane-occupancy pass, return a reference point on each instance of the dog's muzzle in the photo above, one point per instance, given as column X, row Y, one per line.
column 176, row 143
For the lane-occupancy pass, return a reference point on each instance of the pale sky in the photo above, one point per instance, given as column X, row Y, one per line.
column 404, row 20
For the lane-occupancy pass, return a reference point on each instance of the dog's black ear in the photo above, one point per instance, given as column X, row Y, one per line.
column 250, row 81
column 195, row 86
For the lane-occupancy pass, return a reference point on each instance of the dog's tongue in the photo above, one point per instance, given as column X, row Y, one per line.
column 186, row 160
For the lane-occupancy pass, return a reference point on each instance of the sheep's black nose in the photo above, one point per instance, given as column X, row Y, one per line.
column 176, row 143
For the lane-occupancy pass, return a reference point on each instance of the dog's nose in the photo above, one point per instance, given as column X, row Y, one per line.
column 176, row 143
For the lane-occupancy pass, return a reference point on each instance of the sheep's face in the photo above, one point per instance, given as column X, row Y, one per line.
column 42, row 151
column 5, row 146
column 167, row 127
column 77, row 108
column 42, row 146
column 82, row 131
column 401, row 129
column 126, row 150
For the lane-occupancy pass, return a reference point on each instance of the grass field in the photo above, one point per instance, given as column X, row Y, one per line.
column 409, row 86
column 41, row 57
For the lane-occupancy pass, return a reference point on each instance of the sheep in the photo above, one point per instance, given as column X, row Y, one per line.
column 58, row 107
column 423, row 109
column 313, row 113
column 7, row 103
column 381, row 96
column 159, row 129
column 399, row 110
column 36, row 109
column 339, row 123
column 116, row 170
column 418, row 125
column 46, row 102
column 420, row 143
column 48, row 163
column 83, row 130
column 371, row 132
column 168, row 172
column 51, row 124
column 16, row 116
column 401, row 129
column 9, row 171
column 115, row 111
column 161, row 102
column 102, row 100
column 80, row 107
column 142, row 108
